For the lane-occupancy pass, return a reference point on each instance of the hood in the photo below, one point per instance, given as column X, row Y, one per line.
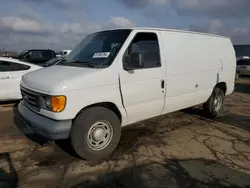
column 56, row 79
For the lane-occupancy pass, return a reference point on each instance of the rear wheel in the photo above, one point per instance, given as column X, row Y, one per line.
column 95, row 133
column 214, row 105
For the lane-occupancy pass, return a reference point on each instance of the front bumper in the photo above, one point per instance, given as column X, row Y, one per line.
column 43, row 126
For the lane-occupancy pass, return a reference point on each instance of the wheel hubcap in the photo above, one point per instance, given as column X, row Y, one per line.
column 99, row 135
column 217, row 103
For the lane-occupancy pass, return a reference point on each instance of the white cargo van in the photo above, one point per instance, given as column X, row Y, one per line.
column 118, row 77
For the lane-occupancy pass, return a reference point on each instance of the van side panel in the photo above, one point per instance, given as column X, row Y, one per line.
column 195, row 63
column 229, row 66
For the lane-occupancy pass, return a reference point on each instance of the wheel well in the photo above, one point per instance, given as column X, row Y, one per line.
column 222, row 86
column 108, row 105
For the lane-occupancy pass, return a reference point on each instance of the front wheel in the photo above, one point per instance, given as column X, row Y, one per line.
column 214, row 105
column 95, row 133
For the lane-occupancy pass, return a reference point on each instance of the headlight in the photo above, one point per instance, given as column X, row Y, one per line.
column 53, row 103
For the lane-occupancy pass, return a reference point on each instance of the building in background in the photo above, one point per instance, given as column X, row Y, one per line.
column 5, row 53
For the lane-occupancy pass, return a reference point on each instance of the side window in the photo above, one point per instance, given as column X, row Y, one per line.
column 147, row 47
column 65, row 53
column 47, row 54
column 4, row 66
column 18, row 67
column 34, row 55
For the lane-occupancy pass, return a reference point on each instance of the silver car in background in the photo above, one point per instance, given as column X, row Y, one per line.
column 243, row 67
column 243, row 60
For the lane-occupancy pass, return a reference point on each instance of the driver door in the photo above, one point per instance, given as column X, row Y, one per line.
column 143, row 88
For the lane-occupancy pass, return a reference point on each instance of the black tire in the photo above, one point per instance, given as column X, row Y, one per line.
column 210, row 108
column 80, row 131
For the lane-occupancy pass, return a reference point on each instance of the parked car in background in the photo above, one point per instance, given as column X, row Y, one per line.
column 243, row 67
column 243, row 60
column 118, row 77
column 36, row 56
column 52, row 62
column 63, row 53
column 11, row 71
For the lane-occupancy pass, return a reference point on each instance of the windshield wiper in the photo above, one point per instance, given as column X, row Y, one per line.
column 61, row 62
column 77, row 63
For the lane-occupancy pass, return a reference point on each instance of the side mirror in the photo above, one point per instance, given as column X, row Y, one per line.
column 133, row 61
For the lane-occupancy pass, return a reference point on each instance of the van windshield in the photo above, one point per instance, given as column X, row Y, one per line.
column 97, row 50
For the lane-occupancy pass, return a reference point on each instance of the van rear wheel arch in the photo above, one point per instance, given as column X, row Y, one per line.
column 214, row 105
column 222, row 86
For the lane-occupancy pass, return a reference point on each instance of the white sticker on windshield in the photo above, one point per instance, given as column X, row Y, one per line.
column 101, row 55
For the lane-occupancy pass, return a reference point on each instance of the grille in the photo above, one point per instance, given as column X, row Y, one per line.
column 30, row 98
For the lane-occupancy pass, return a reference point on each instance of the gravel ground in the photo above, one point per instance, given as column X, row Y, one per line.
column 179, row 150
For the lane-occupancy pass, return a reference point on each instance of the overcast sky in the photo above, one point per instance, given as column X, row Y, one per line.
column 60, row 24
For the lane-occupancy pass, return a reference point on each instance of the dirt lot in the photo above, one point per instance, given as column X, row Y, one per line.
column 181, row 150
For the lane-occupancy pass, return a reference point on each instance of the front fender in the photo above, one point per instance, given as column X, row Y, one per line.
column 79, row 99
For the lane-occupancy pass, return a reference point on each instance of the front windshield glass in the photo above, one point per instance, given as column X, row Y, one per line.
column 97, row 50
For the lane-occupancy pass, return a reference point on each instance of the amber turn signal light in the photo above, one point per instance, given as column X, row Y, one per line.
column 58, row 103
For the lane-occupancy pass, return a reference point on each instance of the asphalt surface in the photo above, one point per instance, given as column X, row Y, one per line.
column 178, row 150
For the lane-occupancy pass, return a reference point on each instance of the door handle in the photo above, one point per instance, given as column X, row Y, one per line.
column 3, row 78
column 162, row 84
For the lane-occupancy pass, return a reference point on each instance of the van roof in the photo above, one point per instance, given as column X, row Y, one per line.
column 170, row 30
